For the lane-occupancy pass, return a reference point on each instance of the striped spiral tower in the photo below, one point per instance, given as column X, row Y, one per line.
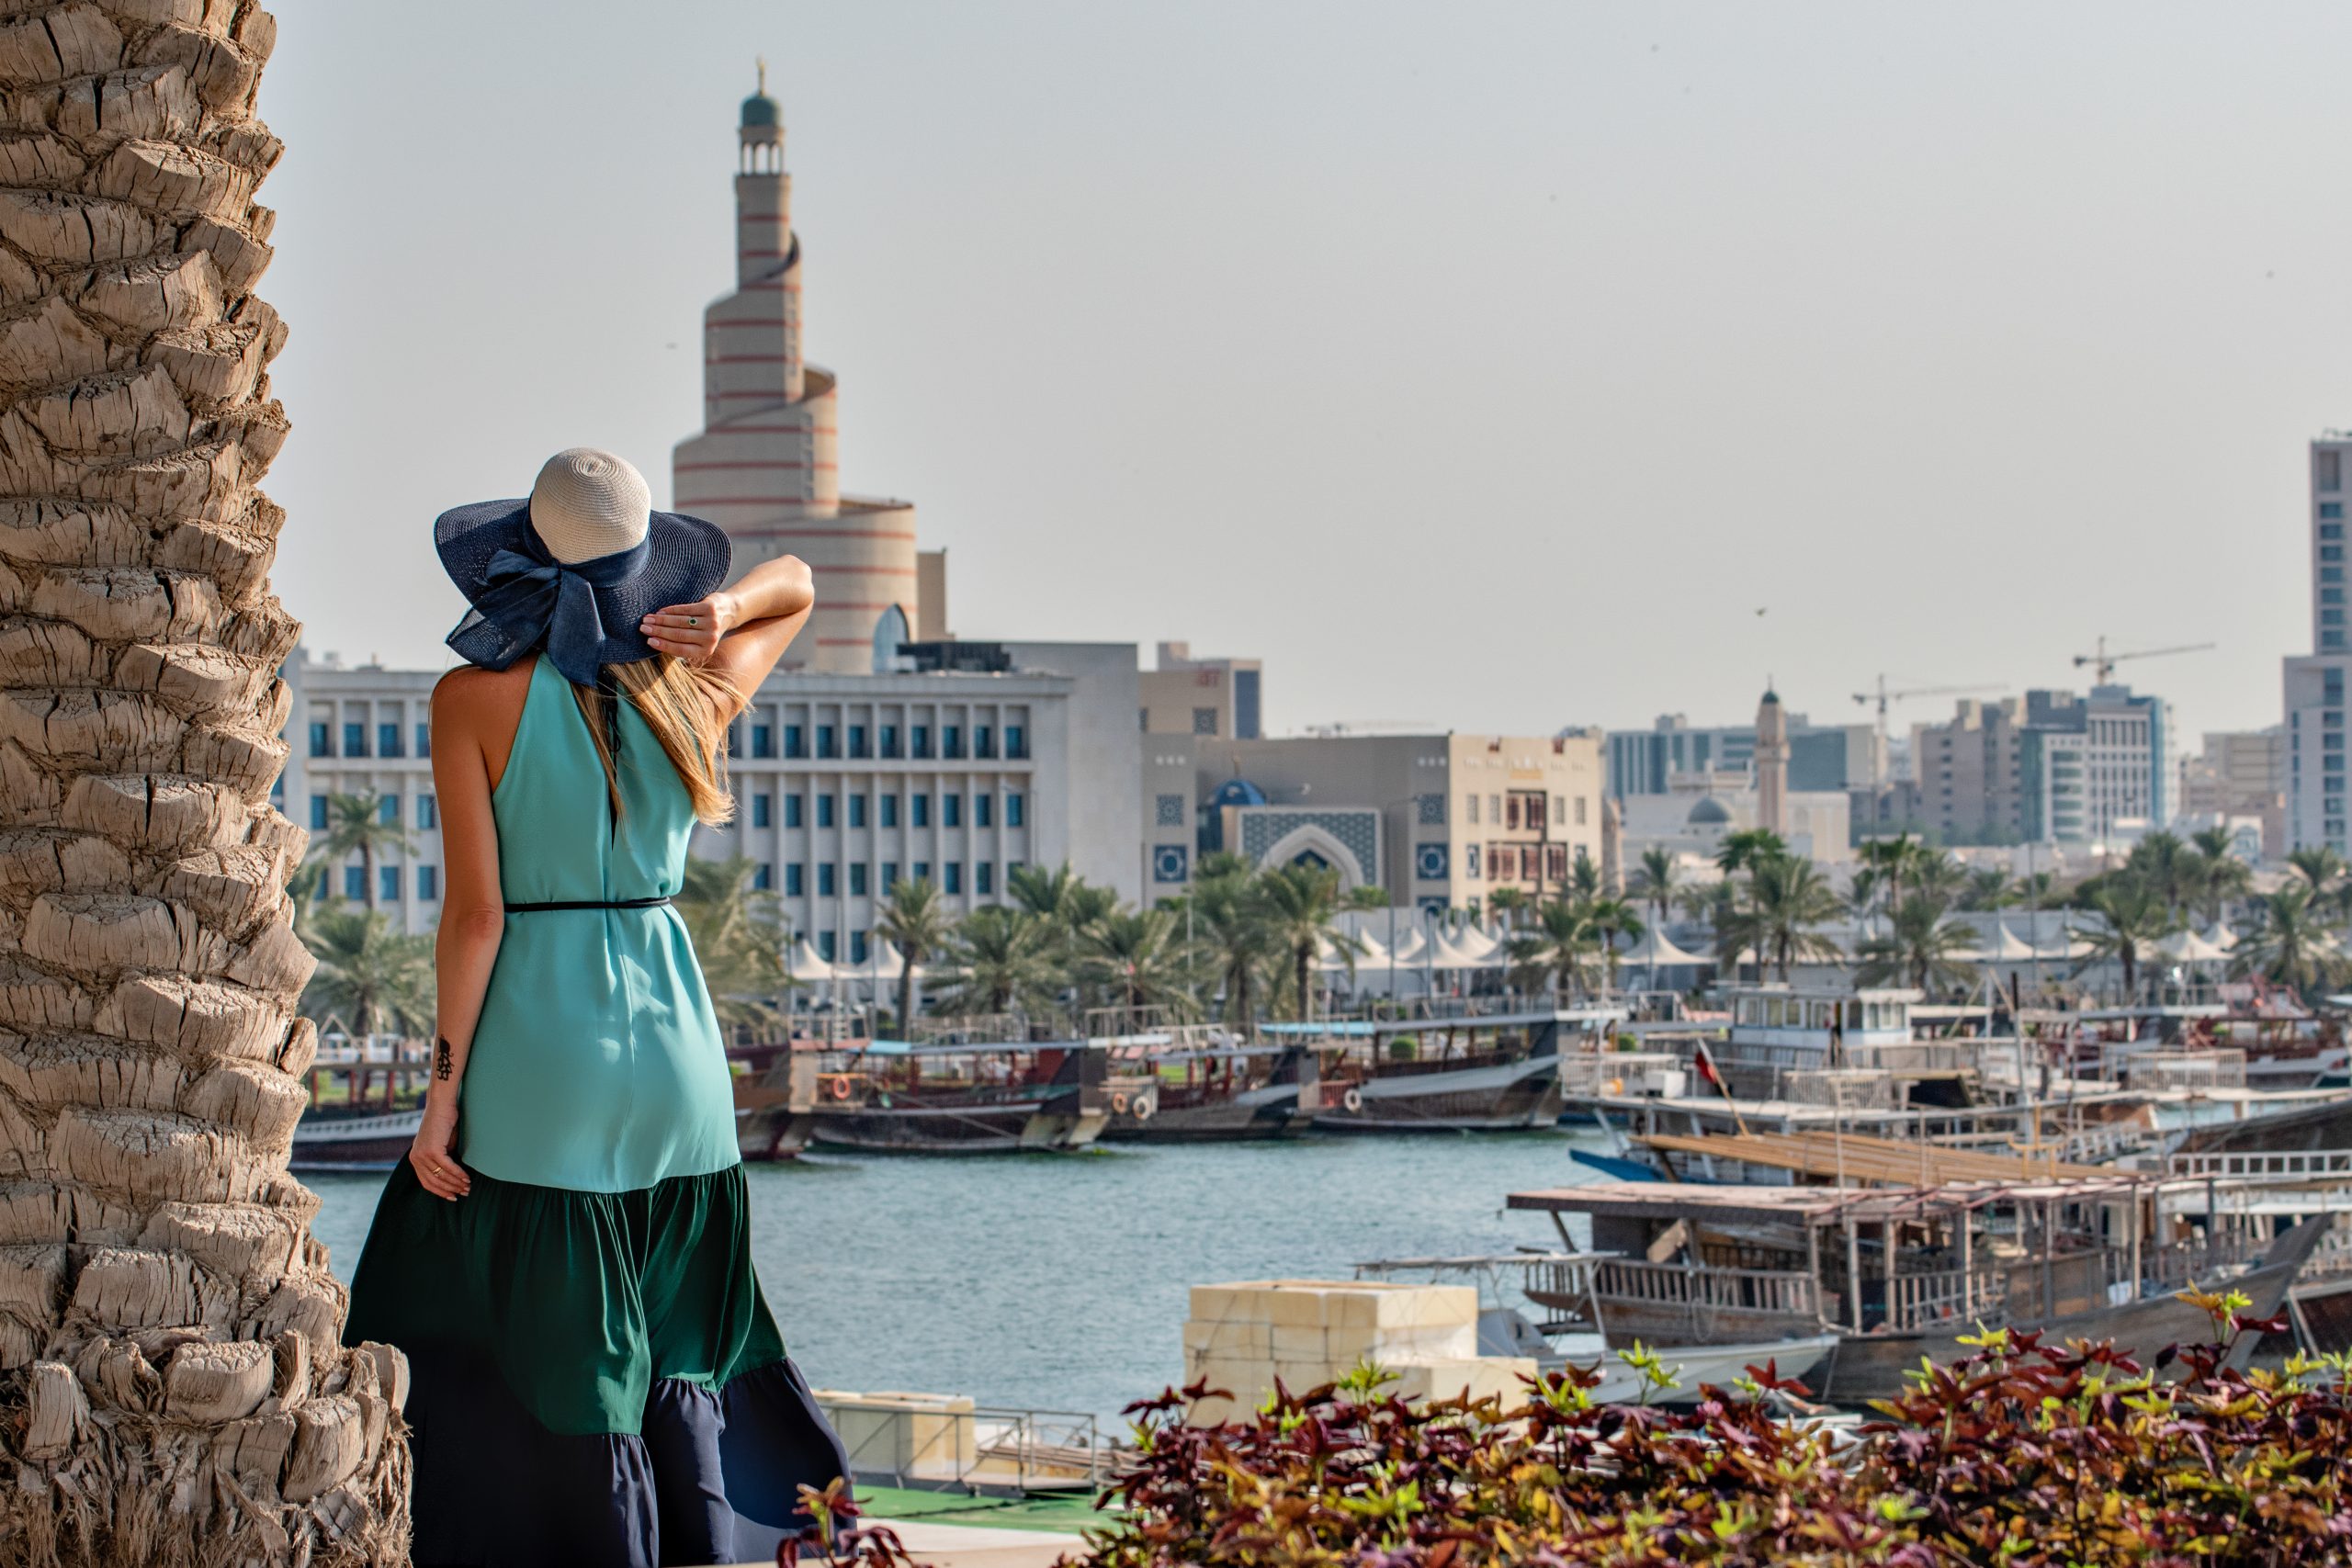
column 766, row 465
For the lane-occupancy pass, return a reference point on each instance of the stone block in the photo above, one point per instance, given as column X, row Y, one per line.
column 1293, row 1345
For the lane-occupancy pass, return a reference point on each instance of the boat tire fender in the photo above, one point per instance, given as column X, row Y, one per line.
column 1351, row 1100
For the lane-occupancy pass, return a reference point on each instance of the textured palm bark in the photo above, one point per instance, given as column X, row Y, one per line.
column 172, row 1385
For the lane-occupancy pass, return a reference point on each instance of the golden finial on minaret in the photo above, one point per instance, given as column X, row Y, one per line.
column 761, row 60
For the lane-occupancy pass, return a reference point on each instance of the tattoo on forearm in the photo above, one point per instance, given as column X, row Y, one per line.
column 443, row 1064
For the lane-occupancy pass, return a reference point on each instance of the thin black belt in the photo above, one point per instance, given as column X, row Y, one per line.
column 588, row 904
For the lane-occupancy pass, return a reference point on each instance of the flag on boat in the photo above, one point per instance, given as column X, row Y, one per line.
column 1705, row 1063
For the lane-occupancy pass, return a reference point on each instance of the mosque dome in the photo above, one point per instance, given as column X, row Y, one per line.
column 760, row 111
column 1238, row 792
column 1709, row 813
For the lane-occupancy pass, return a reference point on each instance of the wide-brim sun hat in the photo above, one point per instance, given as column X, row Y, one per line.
column 572, row 567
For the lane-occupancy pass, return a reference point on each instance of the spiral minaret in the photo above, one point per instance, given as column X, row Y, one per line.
column 765, row 466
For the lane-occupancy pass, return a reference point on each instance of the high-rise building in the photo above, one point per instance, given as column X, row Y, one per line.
column 2313, row 682
column 1821, row 756
column 2052, row 767
column 766, row 466
column 2240, row 774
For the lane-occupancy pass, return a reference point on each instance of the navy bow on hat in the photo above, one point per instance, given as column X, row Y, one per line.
column 536, row 601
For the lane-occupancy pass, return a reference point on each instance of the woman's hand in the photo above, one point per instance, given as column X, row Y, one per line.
column 438, row 1170
column 691, row 632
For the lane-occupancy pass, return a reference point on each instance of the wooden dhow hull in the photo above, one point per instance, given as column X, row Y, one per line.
column 1254, row 1115
column 340, row 1142
column 1499, row 1097
column 1041, row 1125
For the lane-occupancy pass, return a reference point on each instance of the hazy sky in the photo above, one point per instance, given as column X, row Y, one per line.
column 1484, row 365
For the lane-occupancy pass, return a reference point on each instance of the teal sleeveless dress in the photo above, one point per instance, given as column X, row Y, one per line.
column 596, row 1376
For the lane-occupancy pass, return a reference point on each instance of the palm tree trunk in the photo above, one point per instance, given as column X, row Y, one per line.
column 176, row 1391
column 1302, row 962
column 368, row 876
column 906, row 996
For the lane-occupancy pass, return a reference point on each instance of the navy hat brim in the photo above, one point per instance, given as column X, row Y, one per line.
column 687, row 559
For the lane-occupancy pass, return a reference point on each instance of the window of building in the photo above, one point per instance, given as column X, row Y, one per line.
column 2331, row 617
column 923, row 871
column 857, row 810
column 1470, row 810
column 1429, row 810
column 825, row 811
column 735, row 738
column 889, row 875
column 1580, row 806
column 1016, row 741
column 388, row 810
column 762, row 741
column 950, row 741
column 919, row 741
column 1556, row 862
column 318, row 814
column 889, row 740
column 918, row 807
column 762, row 806
column 1494, row 809
column 387, row 884
column 857, row 947
column 354, row 741
column 857, row 879
column 857, row 740
column 984, row 879
column 278, row 791
column 1012, row 808
column 428, row 883
column 2332, row 533
column 827, row 875
column 825, row 946
column 1167, row 810
column 2331, row 639
column 322, row 738
column 2331, row 509
column 889, row 811
column 2331, row 552
column 795, row 875
column 424, row 740
column 2331, row 574
column 951, row 811
column 428, row 811
column 761, row 877
column 2331, row 470
column 983, row 741
column 1204, row 721
column 952, row 874
column 795, row 742
column 1470, row 858
column 354, row 882
column 825, row 741
column 982, row 805
column 792, row 809
column 388, row 741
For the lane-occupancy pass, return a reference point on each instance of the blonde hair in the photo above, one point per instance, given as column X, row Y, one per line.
column 688, row 708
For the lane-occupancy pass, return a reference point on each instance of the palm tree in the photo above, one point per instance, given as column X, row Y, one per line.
column 356, row 824
column 1935, row 874
column 914, row 921
column 1562, row 939
column 1656, row 879
column 2218, row 879
column 1510, row 904
column 2133, row 916
column 1137, row 957
column 1610, row 919
column 2321, row 867
column 2290, row 944
column 1232, row 931
column 1004, row 960
column 1066, row 901
column 2163, row 862
column 1584, row 878
column 1988, row 888
column 1786, row 902
column 371, row 974
column 158, row 946
column 738, row 937
column 1746, row 848
column 1298, row 903
column 1890, row 859
column 1920, row 946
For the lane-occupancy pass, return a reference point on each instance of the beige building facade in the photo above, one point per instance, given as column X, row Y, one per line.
column 1221, row 699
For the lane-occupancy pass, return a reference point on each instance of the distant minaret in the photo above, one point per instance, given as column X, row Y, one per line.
column 1771, row 765
column 767, row 466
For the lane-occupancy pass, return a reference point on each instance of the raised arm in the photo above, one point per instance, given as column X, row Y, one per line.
column 739, row 631
column 473, row 918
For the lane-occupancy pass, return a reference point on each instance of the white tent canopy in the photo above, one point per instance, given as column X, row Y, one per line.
column 1445, row 953
column 2005, row 948
column 1656, row 951
column 804, row 964
column 2187, row 947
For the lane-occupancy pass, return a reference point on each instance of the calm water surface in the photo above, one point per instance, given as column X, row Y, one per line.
column 1059, row 1281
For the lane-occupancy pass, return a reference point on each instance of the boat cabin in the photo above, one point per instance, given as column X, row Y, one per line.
column 1796, row 1026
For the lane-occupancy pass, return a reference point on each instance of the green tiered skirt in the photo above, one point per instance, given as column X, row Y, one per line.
column 596, row 1376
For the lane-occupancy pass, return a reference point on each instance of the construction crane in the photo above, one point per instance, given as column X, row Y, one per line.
column 2105, row 662
column 1883, row 696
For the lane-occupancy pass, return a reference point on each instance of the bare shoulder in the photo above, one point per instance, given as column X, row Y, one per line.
column 470, row 693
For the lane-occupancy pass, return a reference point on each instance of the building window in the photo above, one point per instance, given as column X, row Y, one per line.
column 792, row 809
column 825, row 811
column 428, row 883
column 919, row 807
column 1494, row 809
column 983, row 741
column 857, row 879
column 354, row 882
column 761, row 877
column 1580, row 811
column 387, row 884
column 795, row 876
column 2331, row 470
column 388, row 741
column 2331, row 639
column 2331, row 574
column 2331, row 509
column 1470, row 810
column 388, row 810
column 761, row 805
column 2332, row 533
column 1167, row 810
column 1204, row 721
column 984, row 879
column 923, row 871
column 278, row 791
column 318, row 814
column 857, row 810
column 428, row 811
column 735, row 739
column 951, row 811
column 424, row 740
column 762, row 741
column 1556, row 862
column 889, row 875
column 889, row 740
column 857, row 947
column 857, row 740
column 826, row 878
column 950, row 741
column 354, row 741
column 1429, row 810
column 919, row 742
column 1016, row 741
column 795, row 741
column 322, row 738
column 1013, row 803
column 983, row 806
column 825, row 946
column 825, row 747
column 954, row 874
column 889, row 811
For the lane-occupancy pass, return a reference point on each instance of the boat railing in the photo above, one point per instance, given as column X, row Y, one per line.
column 2332, row 1259
column 1846, row 1089
column 1914, row 1301
column 2276, row 1164
column 1779, row 1291
column 2184, row 1069
column 937, row 1444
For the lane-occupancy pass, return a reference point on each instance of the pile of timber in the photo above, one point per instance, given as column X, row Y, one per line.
column 1870, row 1162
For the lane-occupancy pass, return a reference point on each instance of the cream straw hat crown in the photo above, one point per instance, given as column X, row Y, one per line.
column 589, row 503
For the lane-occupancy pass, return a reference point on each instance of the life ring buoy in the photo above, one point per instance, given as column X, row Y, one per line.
column 1616, row 1086
column 1119, row 1102
column 838, row 1086
column 1351, row 1100
column 1145, row 1105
